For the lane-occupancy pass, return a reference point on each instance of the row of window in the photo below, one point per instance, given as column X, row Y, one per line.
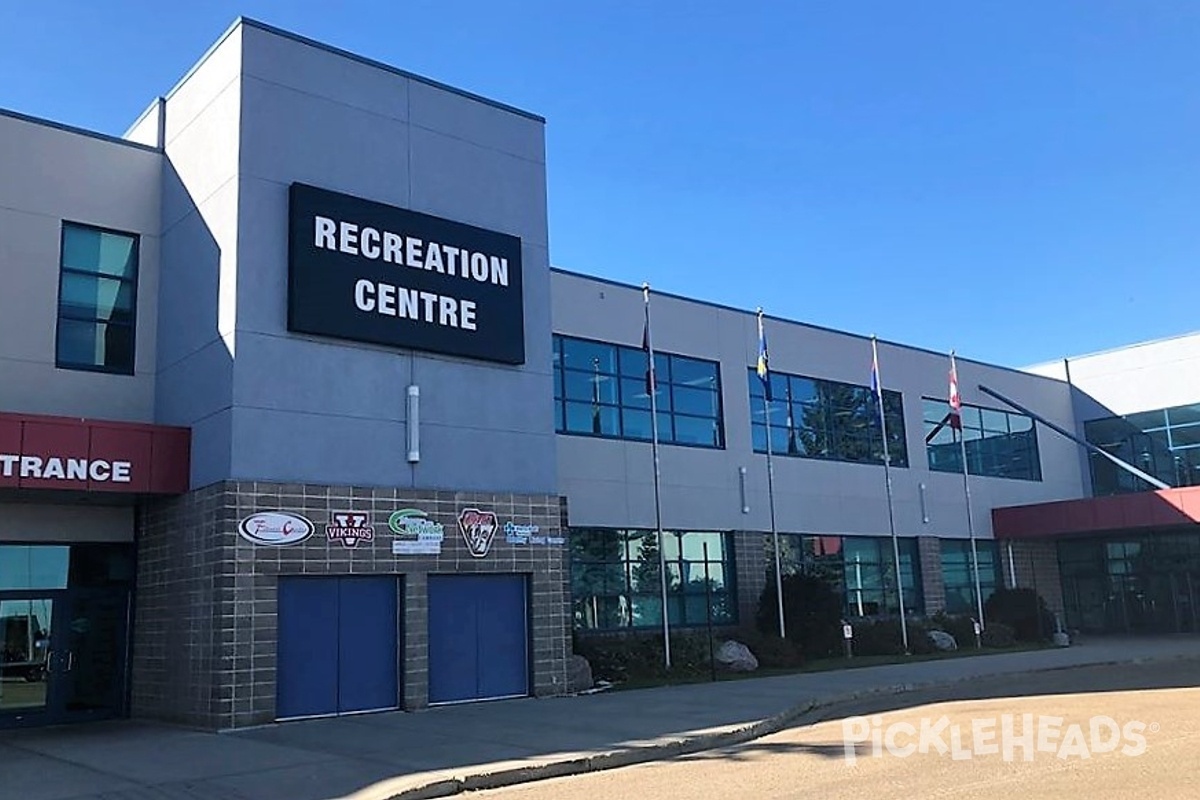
column 602, row 390
column 615, row 575
column 1164, row 443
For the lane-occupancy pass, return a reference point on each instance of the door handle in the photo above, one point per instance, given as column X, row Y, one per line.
column 70, row 660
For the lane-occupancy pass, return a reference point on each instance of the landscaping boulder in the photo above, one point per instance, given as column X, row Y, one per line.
column 736, row 657
column 942, row 640
column 579, row 674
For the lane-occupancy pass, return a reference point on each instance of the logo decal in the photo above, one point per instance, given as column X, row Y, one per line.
column 478, row 529
column 275, row 528
column 416, row 534
column 350, row 528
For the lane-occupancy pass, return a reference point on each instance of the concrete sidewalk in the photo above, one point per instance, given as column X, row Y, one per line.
column 447, row 750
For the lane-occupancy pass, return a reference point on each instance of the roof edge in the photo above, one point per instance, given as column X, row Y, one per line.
column 62, row 126
column 370, row 62
column 812, row 326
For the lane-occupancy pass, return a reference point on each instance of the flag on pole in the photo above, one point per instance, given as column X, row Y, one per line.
column 763, row 369
column 955, row 400
column 597, row 428
column 876, row 385
column 651, row 378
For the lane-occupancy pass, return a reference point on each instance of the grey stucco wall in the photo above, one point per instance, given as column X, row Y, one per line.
column 52, row 175
column 265, row 110
column 610, row 483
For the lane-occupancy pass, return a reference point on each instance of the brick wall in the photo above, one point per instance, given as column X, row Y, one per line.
column 754, row 564
column 929, row 553
column 1036, row 564
column 204, row 642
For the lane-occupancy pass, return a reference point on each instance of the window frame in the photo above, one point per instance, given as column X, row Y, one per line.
column 132, row 280
column 664, row 382
column 974, row 424
column 682, row 592
column 833, row 437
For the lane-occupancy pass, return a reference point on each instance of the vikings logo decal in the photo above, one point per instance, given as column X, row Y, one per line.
column 350, row 528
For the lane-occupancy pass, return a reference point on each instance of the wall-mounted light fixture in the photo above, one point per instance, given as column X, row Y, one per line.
column 414, row 424
column 924, row 510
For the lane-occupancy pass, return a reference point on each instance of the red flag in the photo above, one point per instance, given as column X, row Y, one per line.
column 955, row 400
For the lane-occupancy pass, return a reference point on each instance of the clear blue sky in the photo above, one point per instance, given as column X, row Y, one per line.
column 1017, row 180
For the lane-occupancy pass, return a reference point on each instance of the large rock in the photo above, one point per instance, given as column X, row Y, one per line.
column 943, row 641
column 579, row 674
column 736, row 657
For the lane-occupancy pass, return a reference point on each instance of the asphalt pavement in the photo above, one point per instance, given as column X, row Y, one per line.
column 447, row 750
column 1099, row 732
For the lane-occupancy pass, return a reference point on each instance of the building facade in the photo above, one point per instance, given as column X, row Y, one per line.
column 297, row 420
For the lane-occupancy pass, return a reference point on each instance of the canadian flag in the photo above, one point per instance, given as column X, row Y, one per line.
column 955, row 400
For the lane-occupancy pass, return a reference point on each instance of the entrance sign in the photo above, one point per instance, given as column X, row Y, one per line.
column 370, row 272
column 43, row 452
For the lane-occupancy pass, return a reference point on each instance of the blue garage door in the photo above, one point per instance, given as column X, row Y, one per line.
column 478, row 637
column 337, row 650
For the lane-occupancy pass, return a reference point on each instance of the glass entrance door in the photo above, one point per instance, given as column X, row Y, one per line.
column 90, row 653
column 62, row 656
column 26, row 632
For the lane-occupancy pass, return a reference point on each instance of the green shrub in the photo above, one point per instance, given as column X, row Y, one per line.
column 638, row 656
column 884, row 637
column 961, row 627
column 1024, row 611
column 771, row 651
column 997, row 634
column 812, row 613
column 919, row 642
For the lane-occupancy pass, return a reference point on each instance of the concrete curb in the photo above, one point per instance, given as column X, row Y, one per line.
column 449, row 785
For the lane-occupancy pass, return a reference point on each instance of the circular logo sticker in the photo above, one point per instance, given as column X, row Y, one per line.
column 275, row 528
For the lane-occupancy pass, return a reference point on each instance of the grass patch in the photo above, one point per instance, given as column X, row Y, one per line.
column 684, row 677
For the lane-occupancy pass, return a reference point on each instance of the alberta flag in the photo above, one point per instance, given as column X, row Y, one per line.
column 764, row 373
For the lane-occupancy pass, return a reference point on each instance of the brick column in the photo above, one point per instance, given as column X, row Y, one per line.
column 929, row 551
column 1037, row 568
column 754, row 563
column 416, row 641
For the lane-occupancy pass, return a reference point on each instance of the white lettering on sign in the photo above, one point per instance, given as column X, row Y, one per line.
column 396, row 301
column 408, row 251
column 65, row 469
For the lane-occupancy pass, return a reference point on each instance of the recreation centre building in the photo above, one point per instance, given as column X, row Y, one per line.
column 296, row 419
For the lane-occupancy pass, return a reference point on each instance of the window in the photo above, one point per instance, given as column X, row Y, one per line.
column 958, row 574
column 600, row 390
column 1000, row 444
column 813, row 418
column 96, row 300
column 1163, row 443
column 860, row 568
column 615, row 578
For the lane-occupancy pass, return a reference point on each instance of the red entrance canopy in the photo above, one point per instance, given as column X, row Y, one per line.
column 1158, row 509
column 40, row 452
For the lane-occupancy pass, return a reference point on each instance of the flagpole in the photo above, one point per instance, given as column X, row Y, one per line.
column 764, row 373
column 652, row 387
column 962, row 441
column 887, row 477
